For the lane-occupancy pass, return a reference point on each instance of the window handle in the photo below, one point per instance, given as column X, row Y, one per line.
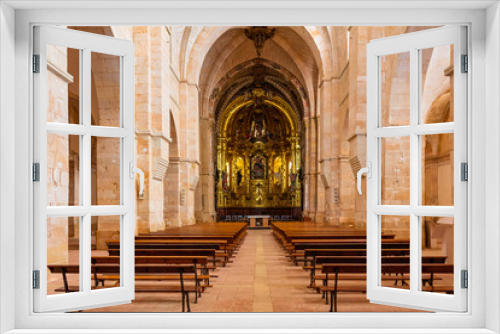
column 368, row 171
column 132, row 171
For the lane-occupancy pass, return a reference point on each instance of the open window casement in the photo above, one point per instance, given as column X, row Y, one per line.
column 402, row 145
column 71, row 144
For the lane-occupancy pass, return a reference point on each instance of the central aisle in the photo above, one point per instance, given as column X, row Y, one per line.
column 262, row 279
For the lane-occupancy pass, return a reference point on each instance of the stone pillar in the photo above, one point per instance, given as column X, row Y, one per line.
column 189, row 139
column 346, row 193
column 152, row 122
column 311, row 161
column 171, row 197
column 357, row 109
column 206, row 187
column 306, row 166
column 319, row 200
column 329, row 149
column 221, row 166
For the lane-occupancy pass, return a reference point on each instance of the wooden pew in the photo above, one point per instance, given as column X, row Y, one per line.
column 313, row 253
column 386, row 244
column 391, row 268
column 319, row 261
column 199, row 262
column 209, row 253
column 284, row 232
column 116, row 245
column 149, row 268
column 173, row 250
column 233, row 232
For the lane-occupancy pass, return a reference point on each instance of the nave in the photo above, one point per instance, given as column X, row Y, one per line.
column 259, row 277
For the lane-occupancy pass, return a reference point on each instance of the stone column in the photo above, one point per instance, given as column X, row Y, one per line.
column 221, row 166
column 329, row 149
column 172, row 193
column 152, row 122
column 206, row 186
column 357, row 110
column 189, row 149
column 306, row 164
column 319, row 199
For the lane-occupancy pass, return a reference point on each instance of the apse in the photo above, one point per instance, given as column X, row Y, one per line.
column 259, row 159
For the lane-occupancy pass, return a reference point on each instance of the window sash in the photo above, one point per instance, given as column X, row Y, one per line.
column 86, row 43
column 413, row 297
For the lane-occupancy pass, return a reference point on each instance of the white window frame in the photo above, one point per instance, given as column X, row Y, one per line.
column 85, row 43
column 483, row 100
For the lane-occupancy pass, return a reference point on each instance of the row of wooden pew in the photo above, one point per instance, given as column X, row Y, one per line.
column 180, row 259
column 340, row 254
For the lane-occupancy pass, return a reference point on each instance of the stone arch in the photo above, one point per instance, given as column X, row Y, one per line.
column 435, row 81
column 182, row 52
column 313, row 37
column 286, row 48
column 287, row 75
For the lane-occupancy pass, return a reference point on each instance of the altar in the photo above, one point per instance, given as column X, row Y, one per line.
column 259, row 221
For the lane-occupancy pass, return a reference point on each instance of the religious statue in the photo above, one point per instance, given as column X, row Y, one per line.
column 258, row 194
column 224, row 180
column 301, row 174
column 293, row 182
column 258, row 129
column 277, row 178
column 258, row 168
column 239, row 177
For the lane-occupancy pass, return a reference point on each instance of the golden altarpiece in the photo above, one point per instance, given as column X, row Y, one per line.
column 259, row 168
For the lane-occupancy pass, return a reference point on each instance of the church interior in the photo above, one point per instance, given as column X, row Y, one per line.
column 250, row 139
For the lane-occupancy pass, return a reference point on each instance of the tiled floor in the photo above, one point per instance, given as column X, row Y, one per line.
column 260, row 279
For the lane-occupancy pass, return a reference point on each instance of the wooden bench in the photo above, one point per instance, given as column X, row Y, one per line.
column 221, row 256
column 150, row 268
column 285, row 232
column 319, row 261
column 392, row 268
column 209, row 253
column 199, row 262
column 233, row 234
column 295, row 253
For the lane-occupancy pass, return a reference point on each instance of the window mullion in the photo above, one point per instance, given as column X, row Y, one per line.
column 85, row 243
column 414, row 172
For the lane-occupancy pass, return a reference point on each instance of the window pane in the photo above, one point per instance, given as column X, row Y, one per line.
column 106, row 90
column 63, row 170
column 437, row 248
column 63, row 75
column 63, row 244
column 395, row 252
column 437, row 169
column 107, row 250
column 395, row 89
column 395, row 170
column 106, row 171
column 436, row 105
